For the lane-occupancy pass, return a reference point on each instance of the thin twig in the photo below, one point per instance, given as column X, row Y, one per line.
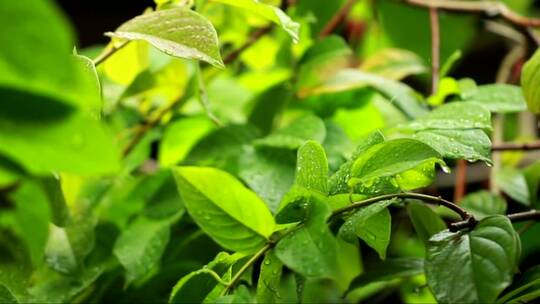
column 514, row 217
column 490, row 8
column 108, row 52
column 434, row 200
column 337, row 19
column 435, row 48
column 232, row 56
column 516, row 146
column 246, row 266
column 460, row 187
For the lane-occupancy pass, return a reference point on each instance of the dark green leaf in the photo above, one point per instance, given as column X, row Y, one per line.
column 372, row 224
column 525, row 289
column 234, row 216
column 267, row 107
column 269, row 279
column 311, row 249
column 178, row 32
column 486, row 258
column 425, row 221
column 388, row 270
column 6, row 296
column 484, row 203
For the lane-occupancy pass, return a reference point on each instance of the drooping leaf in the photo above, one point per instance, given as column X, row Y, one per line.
column 312, row 167
column 425, row 221
column 529, row 82
column 403, row 164
column 338, row 181
column 454, row 115
column 486, row 258
column 394, row 64
column 388, row 270
column 196, row 286
column 240, row 295
column 372, row 224
column 296, row 133
column 500, row 98
column 402, row 96
column 140, row 246
column 234, row 216
column 60, row 211
column 310, row 250
column 484, row 203
column 269, row 12
column 180, row 137
column 178, row 32
column 472, row 144
column 269, row 279
column 269, row 172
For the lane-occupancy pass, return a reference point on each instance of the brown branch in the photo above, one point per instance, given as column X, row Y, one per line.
column 516, row 146
column 433, row 200
column 232, row 56
column 337, row 19
column 490, row 8
column 461, row 180
column 108, row 52
column 435, row 48
column 514, row 217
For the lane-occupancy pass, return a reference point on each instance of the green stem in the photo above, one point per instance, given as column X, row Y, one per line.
column 108, row 52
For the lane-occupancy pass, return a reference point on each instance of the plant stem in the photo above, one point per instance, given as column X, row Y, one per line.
column 434, row 200
column 337, row 19
column 245, row 267
column 516, row 146
column 514, row 217
column 489, row 8
column 203, row 98
column 108, row 52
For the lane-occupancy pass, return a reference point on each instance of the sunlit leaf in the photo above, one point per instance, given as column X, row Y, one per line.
column 529, row 82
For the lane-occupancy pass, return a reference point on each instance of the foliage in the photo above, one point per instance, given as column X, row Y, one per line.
column 228, row 151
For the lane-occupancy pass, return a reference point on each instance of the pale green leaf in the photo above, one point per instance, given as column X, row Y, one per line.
column 530, row 82
column 296, row 133
column 500, row 98
column 486, row 258
column 471, row 144
column 513, row 183
column 178, row 32
column 269, row 12
column 394, row 64
column 454, row 115
column 234, row 216
column 312, row 167
column 140, row 246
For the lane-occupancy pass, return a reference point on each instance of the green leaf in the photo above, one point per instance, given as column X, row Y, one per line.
column 312, row 167
column 425, row 221
column 6, row 296
column 179, row 32
column 240, row 295
column 180, row 137
column 525, row 289
column 372, row 224
column 268, row 105
column 269, row 279
column 338, row 181
column 197, row 285
column 140, row 246
column 530, row 80
column 402, row 96
column 388, row 270
column 311, row 250
column 296, row 204
column 296, row 133
column 456, row 131
column 532, row 177
column 499, row 98
column 234, row 216
column 53, row 136
column 60, row 211
column 32, row 216
column 486, row 258
column 269, row 172
column 513, row 183
column 484, row 203
column 91, row 98
column 269, row 12
column 394, row 64
column 404, row 164
column 58, row 254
